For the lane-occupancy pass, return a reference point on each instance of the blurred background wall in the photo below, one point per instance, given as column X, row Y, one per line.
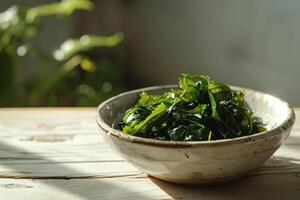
column 253, row 43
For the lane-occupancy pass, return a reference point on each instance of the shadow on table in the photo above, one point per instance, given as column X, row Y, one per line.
column 278, row 179
column 293, row 143
column 84, row 188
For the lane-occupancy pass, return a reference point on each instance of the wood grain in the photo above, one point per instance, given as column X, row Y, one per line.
column 48, row 153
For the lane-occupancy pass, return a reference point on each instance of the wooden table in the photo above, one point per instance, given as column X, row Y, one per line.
column 57, row 153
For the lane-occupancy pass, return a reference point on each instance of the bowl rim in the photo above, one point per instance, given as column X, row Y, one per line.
column 275, row 131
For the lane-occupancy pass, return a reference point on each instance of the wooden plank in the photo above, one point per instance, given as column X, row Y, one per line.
column 89, row 162
column 47, row 120
column 264, row 187
column 41, row 148
column 50, row 148
column 56, row 143
column 80, row 189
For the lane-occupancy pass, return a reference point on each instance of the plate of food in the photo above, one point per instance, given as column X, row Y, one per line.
column 200, row 131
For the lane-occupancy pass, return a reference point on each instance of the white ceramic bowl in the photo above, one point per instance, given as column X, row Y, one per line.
column 202, row 162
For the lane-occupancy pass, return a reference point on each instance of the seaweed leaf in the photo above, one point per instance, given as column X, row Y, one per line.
column 200, row 109
column 143, row 126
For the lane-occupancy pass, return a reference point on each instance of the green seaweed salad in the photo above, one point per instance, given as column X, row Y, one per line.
column 201, row 109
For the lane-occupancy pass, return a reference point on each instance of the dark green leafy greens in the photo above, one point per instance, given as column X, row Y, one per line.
column 201, row 109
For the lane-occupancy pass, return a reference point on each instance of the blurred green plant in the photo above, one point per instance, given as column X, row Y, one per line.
column 78, row 81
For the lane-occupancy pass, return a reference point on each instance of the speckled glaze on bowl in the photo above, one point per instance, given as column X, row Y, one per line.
column 203, row 162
